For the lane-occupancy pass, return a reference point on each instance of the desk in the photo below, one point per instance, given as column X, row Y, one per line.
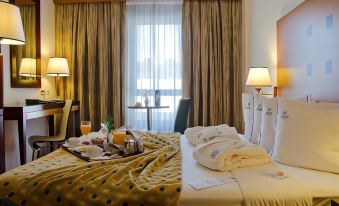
column 149, row 113
column 22, row 113
column 2, row 143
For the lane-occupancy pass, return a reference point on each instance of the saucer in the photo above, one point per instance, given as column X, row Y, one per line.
column 68, row 145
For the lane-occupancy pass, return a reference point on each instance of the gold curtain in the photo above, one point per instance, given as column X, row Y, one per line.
column 212, row 73
column 91, row 37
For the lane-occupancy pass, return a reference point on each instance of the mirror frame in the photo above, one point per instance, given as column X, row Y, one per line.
column 36, row 83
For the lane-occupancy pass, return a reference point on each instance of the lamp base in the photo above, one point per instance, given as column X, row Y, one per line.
column 1, row 80
column 57, row 86
column 258, row 89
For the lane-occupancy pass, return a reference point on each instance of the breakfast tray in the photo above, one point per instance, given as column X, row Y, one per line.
column 106, row 156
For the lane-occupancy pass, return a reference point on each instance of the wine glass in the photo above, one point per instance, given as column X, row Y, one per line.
column 85, row 127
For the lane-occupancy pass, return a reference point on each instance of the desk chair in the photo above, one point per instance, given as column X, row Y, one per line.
column 34, row 140
column 180, row 123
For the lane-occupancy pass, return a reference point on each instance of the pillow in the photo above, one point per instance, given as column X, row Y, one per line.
column 247, row 107
column 269, row 122
column 307, row 135
column 257, row 117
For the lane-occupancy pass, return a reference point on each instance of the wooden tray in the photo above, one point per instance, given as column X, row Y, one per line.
column 88, row 159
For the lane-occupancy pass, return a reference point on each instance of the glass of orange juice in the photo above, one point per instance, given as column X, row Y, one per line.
column 119, row 137
column 85, row 127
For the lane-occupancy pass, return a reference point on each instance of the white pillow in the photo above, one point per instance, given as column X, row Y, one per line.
column 257, row 114
column 269, row 122
column 247, row 107
column 307, row 135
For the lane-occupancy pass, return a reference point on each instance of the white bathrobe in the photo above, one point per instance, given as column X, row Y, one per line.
column 199, row 135
column 224, row 155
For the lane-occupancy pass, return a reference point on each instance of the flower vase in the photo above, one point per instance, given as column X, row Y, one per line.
column 146, row 101
column 110, row 137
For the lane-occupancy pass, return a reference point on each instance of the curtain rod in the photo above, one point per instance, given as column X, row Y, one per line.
column 153, row 1
column 82, row 1
column 127, row 1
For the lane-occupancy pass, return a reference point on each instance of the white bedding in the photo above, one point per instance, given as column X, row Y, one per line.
column 192, row 171
column 258, row 189
column 322, row 185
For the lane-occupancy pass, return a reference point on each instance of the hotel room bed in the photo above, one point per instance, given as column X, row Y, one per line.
column 324, row 186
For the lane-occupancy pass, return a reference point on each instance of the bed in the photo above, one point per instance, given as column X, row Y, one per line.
column 324, row 186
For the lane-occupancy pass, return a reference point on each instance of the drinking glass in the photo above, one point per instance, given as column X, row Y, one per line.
column 85, row 127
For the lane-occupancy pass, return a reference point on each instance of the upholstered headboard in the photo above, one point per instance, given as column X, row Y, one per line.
column 308, row 51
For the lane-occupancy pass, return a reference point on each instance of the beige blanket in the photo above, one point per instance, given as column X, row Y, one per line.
column 63, row 179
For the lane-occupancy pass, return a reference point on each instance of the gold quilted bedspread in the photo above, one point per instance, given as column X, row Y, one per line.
column 60, row 178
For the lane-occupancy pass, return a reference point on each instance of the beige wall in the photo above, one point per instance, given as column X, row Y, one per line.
column 260, row 18
column 18, row 96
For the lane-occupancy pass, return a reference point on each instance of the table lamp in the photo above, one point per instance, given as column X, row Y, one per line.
column 28, row 67
column 57, row 67
column 258, row 77
column 11, row 32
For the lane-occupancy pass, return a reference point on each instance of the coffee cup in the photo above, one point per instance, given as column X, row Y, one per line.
column 73, row 142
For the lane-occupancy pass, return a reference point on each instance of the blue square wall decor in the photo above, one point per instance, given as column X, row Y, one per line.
column 309, row 70
column 309, row 31
column 328, row 66
column 329, row 22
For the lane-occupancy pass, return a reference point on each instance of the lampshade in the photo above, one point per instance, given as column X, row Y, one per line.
column 57, row 67
column 11, row 29
column 28, row 67
column 259, row 77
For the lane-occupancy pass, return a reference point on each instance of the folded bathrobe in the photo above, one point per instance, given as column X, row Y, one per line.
column 199, row 135
column 224, row 155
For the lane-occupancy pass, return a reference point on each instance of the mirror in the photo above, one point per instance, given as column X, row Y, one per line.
column 25, row 59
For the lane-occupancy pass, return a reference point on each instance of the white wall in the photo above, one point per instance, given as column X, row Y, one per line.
column 18, row 95
column 261, row 17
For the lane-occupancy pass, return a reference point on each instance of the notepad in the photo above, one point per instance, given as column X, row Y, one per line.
column 275, row 176
column 211, row 182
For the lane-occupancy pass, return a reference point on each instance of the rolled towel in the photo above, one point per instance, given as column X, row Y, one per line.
column 199, row 135
column 224, row 155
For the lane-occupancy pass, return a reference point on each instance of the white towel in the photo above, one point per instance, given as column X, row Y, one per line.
column 224, row 155
column 199, row 135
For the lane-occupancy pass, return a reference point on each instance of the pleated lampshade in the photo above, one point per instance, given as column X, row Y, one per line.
column 11, row 29
column 28, row 67
column 57, row 67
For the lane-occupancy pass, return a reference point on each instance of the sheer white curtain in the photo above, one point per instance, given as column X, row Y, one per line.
column 153, row 62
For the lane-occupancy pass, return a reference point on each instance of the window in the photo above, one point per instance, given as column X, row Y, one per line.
column 153, row 62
